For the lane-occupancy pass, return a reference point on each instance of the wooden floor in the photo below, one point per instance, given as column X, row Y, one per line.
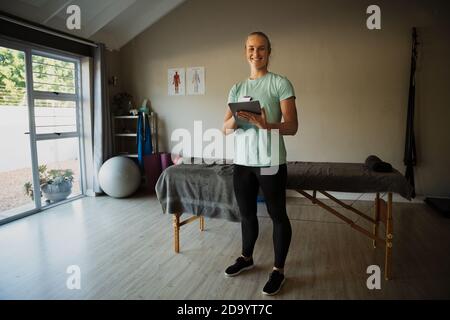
column 124, row 249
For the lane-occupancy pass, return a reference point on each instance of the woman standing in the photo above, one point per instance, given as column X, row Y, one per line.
column 254, row 166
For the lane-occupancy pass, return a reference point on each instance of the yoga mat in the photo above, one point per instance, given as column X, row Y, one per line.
column 166, row 160
column 152, row 166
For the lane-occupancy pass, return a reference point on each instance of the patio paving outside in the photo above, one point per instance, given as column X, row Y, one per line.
column 12, row 192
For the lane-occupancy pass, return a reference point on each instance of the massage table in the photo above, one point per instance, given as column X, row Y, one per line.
column 206, row 190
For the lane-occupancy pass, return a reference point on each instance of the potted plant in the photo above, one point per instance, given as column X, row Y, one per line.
column 55, row 185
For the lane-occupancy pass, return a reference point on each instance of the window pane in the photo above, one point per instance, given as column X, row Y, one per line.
column 55, row 116
column 53, row 75
column 15, row 160
column 61, row 155
column 12, row 78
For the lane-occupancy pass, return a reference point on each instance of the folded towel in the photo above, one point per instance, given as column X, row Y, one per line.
column 376, row 164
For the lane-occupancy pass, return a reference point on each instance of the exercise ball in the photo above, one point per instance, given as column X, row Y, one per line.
column 119, row 177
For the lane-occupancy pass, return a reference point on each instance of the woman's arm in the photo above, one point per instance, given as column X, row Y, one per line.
column 288, row 127
column 229, row 124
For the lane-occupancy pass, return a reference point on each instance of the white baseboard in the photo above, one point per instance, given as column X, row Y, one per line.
column 355, row 196
column 90, row 193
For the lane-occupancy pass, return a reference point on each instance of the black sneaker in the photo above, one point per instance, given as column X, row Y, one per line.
column 240, row 265
column 274, row 284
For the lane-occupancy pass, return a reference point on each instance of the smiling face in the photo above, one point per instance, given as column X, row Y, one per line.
column 257, row 51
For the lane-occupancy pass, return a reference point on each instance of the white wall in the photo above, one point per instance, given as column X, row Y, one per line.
column 15, row 144
column 351, row 83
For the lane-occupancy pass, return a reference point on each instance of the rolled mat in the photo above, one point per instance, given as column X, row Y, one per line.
column 376, row 164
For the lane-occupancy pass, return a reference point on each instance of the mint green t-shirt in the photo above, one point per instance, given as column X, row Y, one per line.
column 253, row 146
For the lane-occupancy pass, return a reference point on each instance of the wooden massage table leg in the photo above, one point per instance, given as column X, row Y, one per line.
column 202, row 223
column 176, row 231
column 177, row 223
column 389, row 237
column 377, row 218
column 385, row 215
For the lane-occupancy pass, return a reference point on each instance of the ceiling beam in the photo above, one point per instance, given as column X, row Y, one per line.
column 52, row 8
column 105, row 16
column 149, row 12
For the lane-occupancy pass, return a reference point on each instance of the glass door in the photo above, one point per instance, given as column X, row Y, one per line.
column 56, row 122
column 40, row 116
column 16, row 175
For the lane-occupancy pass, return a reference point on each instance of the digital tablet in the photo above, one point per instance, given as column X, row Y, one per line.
column 250, row 106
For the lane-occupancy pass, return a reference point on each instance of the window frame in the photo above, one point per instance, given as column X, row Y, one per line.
column 30, row 49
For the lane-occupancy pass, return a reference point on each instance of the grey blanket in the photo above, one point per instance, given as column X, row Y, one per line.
column 198, row 189
column 345, row 177
column 207, row 190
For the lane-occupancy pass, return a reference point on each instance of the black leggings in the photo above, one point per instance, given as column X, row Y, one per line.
column 246, row 182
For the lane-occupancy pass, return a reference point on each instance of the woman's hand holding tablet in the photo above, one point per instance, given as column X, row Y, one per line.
column 249, row 106
column 249, row 111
